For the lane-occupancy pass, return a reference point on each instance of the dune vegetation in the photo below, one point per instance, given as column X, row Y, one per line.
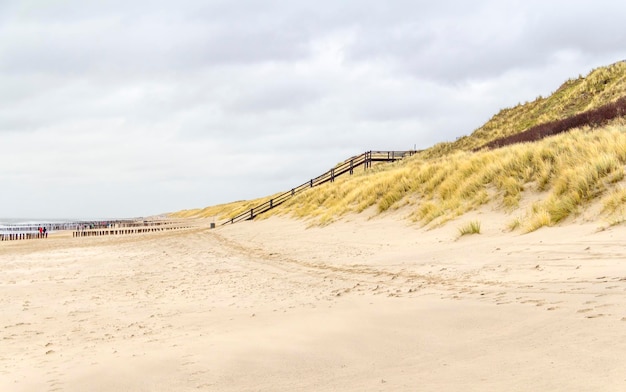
column 472, row 227
column 600, row 87
column 221, row 211
column 562, row 174
column 569, row 170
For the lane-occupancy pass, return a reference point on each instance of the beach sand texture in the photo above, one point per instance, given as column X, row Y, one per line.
column 360, row 305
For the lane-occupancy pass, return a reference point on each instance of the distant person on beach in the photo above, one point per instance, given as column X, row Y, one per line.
column 45, row 232
column 40, row 232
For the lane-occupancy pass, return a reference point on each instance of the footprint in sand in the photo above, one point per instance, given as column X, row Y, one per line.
column 537, row 302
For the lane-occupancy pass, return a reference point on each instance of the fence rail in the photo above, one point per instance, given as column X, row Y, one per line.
column 366, row 159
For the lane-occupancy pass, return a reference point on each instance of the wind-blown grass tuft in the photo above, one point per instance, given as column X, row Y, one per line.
column 472, row 227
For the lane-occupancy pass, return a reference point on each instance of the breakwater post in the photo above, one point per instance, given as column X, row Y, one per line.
column 127, row 230
column 15, row 232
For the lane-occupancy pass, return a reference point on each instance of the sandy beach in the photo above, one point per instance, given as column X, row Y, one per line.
column 274, row 305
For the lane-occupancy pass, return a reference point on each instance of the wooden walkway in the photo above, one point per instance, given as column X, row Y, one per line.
column 347, row 167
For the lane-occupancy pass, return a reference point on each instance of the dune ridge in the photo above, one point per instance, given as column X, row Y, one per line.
column 567, row 173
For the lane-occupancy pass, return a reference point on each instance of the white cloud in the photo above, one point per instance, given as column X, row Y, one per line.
column 116, row 108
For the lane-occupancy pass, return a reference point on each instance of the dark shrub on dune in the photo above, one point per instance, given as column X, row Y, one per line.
column 593, row 118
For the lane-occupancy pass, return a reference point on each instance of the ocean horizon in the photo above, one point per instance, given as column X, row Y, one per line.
column 37, row 221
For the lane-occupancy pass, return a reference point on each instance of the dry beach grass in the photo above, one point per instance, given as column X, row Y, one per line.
column 564, row 173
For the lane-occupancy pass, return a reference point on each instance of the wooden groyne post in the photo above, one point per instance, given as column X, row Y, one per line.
column 87, row 228
column 127, row 230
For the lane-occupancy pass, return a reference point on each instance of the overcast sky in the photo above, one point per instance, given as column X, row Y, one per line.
column 120, row 108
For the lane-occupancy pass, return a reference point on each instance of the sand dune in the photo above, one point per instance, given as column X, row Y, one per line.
column 359, row 305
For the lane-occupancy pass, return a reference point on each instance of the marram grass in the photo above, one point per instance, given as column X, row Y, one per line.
column 570, row 170
column 472, row 227
column 446, row 180
column 601, row 86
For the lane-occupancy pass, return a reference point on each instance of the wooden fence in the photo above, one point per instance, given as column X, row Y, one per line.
column 87, row 228
column 125, row 231
column 21, row 236
column 347, row 167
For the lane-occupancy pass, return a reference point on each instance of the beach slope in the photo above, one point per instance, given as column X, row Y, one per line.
column 362, row 304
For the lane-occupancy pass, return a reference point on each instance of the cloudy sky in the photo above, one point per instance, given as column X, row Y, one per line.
column 119, row 108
